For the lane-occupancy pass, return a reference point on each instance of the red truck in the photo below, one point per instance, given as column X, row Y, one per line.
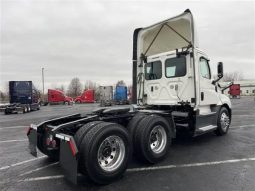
column 234, row 91
column 58, row 97
column 88, row 96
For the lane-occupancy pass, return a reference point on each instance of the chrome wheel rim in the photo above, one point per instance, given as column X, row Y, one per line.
column 111, row 153
column 158, row 139
column 224, row 120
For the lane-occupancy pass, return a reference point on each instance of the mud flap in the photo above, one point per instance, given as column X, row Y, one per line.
column 68, row 157
column 32, row 138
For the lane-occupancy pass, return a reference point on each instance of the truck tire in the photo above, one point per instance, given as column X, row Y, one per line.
column 133, row 124
column 223, row 122
column 79, row 135
column 152, row 139
column 28, row 108
column 105, row 152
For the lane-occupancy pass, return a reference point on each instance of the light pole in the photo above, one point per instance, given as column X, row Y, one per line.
column 43, row 83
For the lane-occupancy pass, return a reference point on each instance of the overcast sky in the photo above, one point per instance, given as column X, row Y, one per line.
column 93, row 40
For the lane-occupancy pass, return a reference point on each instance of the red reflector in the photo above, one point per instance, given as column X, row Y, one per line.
column 53, row 143
column 73, row 149
column 48, row 141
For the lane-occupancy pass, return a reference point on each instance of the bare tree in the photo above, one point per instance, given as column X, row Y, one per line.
column 61, row 88
column 75, row 87
column 90, row 85
column 232, row 76
column 3, row 97
column 4, row 93
column 121, row 83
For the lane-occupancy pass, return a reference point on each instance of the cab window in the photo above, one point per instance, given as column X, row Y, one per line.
column 153, row 70
column 204, row 68
column 175, row 67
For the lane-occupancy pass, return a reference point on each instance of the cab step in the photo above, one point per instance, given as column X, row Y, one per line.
column 205, row 129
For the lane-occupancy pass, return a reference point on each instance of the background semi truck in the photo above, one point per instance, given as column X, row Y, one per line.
column 120, row 95
column 235, row 91
column 58, row 97
column 173, row 90
column 88, row 96
column 105, row 95
column 23, row 98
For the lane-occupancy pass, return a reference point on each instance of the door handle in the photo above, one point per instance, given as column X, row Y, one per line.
column 202, row 96
column 151, row 88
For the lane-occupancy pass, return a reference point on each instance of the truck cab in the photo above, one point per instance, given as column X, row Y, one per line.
column 24, row 97
column 170, row 71
column 88, row 96
column 58, row 97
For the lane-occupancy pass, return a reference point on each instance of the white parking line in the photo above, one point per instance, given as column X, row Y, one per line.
column 37, row 169
column 16, row 140
column 153, row 168
column 22, row 162
column 42, row 178
column 242, row 126
column 190, row 165
column 13, row 127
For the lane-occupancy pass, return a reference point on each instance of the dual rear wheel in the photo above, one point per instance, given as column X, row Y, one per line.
column 151, row 136
column 105, row 149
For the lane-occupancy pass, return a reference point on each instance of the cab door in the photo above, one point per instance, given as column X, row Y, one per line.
column 208, row 94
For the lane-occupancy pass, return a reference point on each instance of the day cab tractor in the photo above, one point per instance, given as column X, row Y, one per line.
column 173, row 90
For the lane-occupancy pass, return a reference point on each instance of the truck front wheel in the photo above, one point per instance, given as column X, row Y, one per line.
column 105, row 152
column 223, row 122
column 152, row 138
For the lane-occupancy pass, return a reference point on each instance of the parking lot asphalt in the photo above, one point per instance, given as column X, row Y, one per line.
column 206, row 163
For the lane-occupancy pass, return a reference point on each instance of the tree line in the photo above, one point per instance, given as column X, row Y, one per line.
column 75, row 87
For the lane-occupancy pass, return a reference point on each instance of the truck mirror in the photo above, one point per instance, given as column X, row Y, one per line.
column 220, row 70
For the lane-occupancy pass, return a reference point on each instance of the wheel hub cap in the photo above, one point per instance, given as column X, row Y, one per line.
column 158, row 139
column 111, row 153
column 224, row 121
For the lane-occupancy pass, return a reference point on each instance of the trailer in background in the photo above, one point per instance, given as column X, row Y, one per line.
column 120, row 95
column 88, row 96
column 235, row 91
column 23, row 98
column 105, row 95
column 58, row 97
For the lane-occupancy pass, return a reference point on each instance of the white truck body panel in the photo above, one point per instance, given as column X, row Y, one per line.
column 158, row 82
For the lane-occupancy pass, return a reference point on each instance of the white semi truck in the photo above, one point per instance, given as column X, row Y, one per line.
column 173, row 89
